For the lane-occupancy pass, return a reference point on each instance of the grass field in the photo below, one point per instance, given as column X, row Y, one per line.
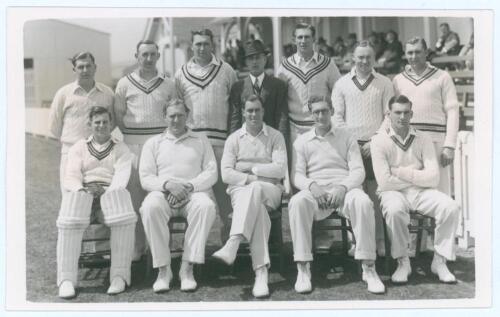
column 216, row 283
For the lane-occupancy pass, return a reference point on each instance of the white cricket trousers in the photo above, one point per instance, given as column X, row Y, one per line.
column 138, row 194
column 303, row 209
column 429, row 202
column 74, row 218
column 251, row 219
column 200, row 213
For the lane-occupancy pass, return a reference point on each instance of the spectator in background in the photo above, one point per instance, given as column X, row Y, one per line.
column 392, row 57
column 324, row 48
column 468, row 50
column 339, row 48
column 377, row 43
column 351, row 42
column 449, row 42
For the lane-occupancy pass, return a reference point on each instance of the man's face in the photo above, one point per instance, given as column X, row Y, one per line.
column 202, row 47
column 363, row 58
column 84, row 68
column 322, row 114
column 100, row 126
column 444, row 29
column 400, row 115
column 176, row 117
column 147, row 56
column 253, row 114
column 256, row 64
column 416, row 55
column 304, row 41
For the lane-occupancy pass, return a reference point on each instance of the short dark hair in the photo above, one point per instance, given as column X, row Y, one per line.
column 305, row 26
column 146, row 42
column 204, row 32
column 97, row 110
column 417, row 39
column 399, row 99
column 174, row 103
column 82, row 55
column 445, row 24
column 318, row 98
column 253, row 98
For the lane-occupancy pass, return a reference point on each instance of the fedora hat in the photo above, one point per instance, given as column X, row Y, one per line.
column 253, row 47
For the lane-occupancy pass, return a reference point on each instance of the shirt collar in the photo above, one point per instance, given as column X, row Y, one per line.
column 311, row 134
column 260, row 78
column 76, row 86
column 243, row 130
column 189, row 133
column 410, row 70
column 297, row 58
column 113, row 139
column 214, row 61
column 391, row 133
column 354, row 74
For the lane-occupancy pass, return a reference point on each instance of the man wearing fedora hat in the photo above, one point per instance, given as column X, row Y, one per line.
column 271, row 91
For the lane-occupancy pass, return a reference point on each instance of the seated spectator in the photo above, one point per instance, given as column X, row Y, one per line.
column 351, row 42
column 468, row 50
column 339, row 48
column 449, row 42
column 392, row 57
column 324, row 48
column 377, row 44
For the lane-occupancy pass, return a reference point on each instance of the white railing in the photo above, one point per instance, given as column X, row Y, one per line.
column 463, row 172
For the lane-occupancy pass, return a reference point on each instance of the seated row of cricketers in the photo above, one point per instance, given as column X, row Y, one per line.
column 178, row 169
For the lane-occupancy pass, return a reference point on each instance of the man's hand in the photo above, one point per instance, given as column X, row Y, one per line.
column 365, row 150
column 321, row 196
column 447, row 156
column 245, row 167
column 178, row 190
column 337, row 197
column 95, row 190
column 170, row 198
column 251, row 178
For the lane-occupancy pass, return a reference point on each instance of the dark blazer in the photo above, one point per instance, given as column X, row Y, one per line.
column 274, row 95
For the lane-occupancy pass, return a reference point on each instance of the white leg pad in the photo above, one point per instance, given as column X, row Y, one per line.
column 122, row 248
column 117, row 207
column 75, row 210
column 69, row 245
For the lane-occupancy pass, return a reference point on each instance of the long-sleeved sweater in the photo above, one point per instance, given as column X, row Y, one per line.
column 188, row 158
column 404, row 165
column 314, row 78
column 332, row 159
column 266, row 152
column 435, row 105
column 360, row 107
column 206, row 90
column 107, row 164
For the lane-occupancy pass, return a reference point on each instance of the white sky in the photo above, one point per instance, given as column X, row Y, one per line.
column 125, row 33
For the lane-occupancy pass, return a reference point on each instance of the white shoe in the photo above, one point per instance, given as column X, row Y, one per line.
column 260, row 288
column 66, row 290
column 439, row 267
column 403, row 270
column 117, row 286
column 188, row 283
column 303, row 284
column 371, row 278
column 229, row 251
column 162, row 283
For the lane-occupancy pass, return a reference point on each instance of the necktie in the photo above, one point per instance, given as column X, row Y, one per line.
column 256, row 87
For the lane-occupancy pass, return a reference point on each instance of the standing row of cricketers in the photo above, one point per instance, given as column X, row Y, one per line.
column 206, row 143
